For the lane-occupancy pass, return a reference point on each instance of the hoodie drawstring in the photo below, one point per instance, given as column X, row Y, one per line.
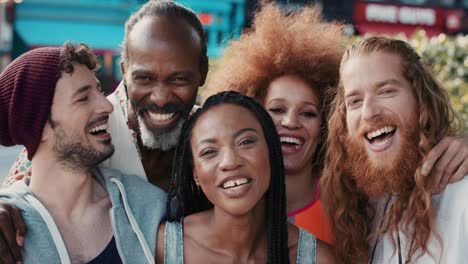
column 133, row 222
column 55, row 233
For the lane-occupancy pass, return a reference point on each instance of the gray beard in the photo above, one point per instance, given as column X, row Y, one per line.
column 165, row 140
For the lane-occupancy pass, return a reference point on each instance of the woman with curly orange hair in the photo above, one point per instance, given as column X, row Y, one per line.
column 290, row 62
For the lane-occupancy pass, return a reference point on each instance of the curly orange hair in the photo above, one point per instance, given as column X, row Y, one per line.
column 280, row 43
column 348, row 207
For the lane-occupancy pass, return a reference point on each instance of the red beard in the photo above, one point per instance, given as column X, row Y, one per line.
column 397, row 174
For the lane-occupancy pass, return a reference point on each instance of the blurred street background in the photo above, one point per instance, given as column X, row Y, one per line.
column 436, row 28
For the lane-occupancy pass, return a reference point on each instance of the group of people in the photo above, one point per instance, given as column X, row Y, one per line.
column 303, row 152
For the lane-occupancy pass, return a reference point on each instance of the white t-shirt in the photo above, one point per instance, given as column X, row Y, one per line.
column 126, row 157
column 451, row 224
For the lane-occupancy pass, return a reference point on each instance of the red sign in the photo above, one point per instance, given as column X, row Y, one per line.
column 400, row 14
column 206, row 19
column 388, row 18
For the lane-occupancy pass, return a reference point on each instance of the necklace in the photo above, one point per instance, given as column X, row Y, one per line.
column 400, row 261
column 380, row 227
column 407, row 259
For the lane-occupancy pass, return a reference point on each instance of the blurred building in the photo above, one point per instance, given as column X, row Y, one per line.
column 100, row 24
column 26, row 24
column 6, row 32
column 222, row 19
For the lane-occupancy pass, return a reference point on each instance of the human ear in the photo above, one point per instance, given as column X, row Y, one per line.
column 47, row 131
column 203, row 70
column 195, row 177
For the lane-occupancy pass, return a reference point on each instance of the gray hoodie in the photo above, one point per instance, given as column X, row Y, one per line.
column 137, row 209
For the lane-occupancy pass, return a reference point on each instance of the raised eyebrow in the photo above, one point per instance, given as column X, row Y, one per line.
column 280, row 100
column 81, row 90
column 141, row 71
column 351, row 94
column 376, row 85
column 236, row 134
column 205, row 141
column 183, row 73
column 385, row 82
column 245, row 130
column 312, row 104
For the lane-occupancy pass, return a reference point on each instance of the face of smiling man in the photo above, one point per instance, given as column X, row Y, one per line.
column 78, row 123
column 162, row 78
column 381, row 117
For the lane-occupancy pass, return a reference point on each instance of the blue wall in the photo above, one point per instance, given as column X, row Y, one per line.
column 52, row 22
column 227, row 22
column 101, row 23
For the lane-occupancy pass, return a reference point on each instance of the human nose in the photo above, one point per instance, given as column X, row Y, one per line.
column 106, row 105
column 160, row 95
column 370, row 109
column 290, row 120
column 230, row 160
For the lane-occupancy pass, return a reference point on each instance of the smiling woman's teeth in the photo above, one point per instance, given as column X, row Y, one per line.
column 235, row 183
column 160, row 117
column 291, row 140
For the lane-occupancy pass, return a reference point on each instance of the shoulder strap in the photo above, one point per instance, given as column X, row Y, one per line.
column 174, row 243
column 306, row 248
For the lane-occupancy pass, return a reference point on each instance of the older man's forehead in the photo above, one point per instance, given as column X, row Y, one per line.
column 164, row 29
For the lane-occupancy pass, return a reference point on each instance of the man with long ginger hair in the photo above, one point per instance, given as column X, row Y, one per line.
column 388, row 113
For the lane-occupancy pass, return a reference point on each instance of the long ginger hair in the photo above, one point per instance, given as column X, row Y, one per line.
column 348, row 206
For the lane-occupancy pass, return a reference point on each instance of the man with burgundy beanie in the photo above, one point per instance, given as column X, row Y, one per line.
column 26, row 88
column 51, row 102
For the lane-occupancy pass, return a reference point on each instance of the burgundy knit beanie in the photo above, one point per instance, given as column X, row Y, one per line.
column 27, row 88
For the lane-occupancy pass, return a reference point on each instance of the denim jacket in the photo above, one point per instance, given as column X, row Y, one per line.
column 174, row 245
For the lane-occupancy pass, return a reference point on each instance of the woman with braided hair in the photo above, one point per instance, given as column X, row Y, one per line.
column 226, row 203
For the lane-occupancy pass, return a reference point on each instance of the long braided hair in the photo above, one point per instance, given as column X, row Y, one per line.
column 185, row 199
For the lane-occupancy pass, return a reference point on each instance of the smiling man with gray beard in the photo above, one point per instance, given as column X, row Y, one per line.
column 163, row 138
column 164, row 61
column 166, row 140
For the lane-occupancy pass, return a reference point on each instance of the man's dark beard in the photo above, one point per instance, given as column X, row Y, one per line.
column 395, row 178
column 73, row 155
